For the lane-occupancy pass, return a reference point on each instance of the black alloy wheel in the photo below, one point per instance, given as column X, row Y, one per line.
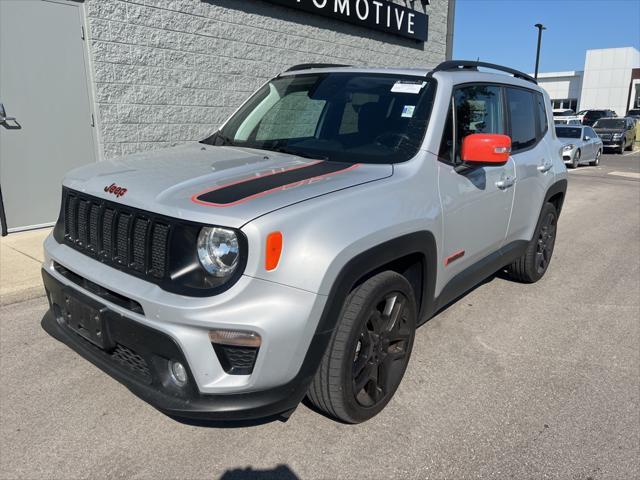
column 546, row 242
column 382, row 351
column 369, row 350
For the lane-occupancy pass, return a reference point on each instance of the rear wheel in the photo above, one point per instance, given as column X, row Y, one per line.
column 532, row 266
column 595, row 162
column 369, row 350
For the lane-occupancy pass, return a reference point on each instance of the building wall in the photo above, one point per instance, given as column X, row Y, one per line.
column 171, row 71
column 607, row 76
column 561, row 85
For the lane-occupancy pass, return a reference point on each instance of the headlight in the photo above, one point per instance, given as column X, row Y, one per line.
column 218, row 251
column 568, row 148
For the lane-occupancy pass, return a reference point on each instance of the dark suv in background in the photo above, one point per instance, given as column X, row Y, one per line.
column 617, row 133
column 590, row 117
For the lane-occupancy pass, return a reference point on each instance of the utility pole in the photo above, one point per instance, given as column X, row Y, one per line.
column 540, row 28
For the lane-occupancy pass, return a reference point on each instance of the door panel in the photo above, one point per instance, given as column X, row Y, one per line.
column 43, row 83
column 476, row 201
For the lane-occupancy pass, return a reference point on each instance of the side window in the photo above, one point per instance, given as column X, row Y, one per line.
column 446, row 145
column 543, row 124
column 523, row 118
column 477, row 109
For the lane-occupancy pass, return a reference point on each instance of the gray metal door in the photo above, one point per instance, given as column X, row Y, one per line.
column 44, row 85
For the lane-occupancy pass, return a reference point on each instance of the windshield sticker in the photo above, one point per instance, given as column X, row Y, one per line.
column 407, row 111
column 407, row 87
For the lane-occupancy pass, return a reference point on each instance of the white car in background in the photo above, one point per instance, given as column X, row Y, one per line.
column 580, row 144
column 565, row 116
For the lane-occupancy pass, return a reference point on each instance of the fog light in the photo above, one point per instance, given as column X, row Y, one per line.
column 178, row 373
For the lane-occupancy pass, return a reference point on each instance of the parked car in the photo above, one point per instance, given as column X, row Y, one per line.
column 617, row 133
column 634, row 113
column 567, row 121
column 563, row 114
column 295, row 251
column 589, row 117
column 580, row 145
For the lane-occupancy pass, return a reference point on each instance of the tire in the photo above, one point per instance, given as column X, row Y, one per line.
column 373, row 338
column 622, row 147
column 596, row 161
column 532, row 266
column 576, row 159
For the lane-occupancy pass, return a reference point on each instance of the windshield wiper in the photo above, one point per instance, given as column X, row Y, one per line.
column 297, row 153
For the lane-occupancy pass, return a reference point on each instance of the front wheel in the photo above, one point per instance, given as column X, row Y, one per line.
column 576, row 160
column 532, row 266
column 369, row 350
column 596, row 161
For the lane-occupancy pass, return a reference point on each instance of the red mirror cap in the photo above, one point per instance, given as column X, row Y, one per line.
column 487, row 148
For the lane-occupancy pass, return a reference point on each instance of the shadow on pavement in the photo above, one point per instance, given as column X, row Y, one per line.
column 281, row 472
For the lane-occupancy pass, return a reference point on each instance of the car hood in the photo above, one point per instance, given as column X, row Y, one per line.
column 609, row 130
column 227, row 186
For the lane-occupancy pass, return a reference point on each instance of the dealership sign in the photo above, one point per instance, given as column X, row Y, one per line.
column 377, row 14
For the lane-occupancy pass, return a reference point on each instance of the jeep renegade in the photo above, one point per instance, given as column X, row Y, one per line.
column 294, row 252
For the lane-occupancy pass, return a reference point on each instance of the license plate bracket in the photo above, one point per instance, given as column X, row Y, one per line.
column 87, row 320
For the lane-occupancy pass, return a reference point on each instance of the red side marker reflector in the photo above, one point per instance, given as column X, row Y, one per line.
column 274, row 250
column 453, row 257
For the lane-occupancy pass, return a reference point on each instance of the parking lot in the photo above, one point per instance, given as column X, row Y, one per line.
column 512, row 381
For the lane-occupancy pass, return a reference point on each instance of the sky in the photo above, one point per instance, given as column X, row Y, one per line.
column 503, row 32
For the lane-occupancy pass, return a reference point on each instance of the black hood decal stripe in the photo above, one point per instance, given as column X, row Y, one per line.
column 257, row 186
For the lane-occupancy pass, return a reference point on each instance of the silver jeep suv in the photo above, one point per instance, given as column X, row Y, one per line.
column 294, row 252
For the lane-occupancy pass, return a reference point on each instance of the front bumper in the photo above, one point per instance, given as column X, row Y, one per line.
column 173, row 327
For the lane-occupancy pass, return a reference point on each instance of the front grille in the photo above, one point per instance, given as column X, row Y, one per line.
column 605, row 136
column 128, row 239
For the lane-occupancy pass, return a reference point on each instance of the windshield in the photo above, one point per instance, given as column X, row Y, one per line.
column 610, row 123
column 346, row 117
column 565, row 132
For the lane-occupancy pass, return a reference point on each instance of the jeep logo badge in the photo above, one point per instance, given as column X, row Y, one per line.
column 115, row 190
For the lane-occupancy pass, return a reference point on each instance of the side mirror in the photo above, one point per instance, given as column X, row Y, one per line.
column 486, row 149
column 587, row 138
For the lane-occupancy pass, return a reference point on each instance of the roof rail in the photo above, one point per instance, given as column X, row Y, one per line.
column 307, row 66
column 471, row 65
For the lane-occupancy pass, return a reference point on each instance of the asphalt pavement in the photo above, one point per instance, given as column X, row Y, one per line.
column 512, row 381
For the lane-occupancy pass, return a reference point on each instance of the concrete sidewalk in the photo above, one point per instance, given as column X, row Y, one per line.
column 20, row 258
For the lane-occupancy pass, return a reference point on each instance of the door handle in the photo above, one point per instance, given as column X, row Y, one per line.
column 545, row 167
column 505, row 183
column 3, row 115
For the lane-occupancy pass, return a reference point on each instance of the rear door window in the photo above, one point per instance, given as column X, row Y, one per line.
column 523, row 118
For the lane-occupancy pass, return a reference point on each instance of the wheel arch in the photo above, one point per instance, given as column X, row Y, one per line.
column 556, row 194
column 413, row 255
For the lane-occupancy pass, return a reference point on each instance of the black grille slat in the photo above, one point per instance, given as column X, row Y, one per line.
column 122, row 239
column 159, row 250
column 116, row 235
column 94, row 217
column 139, row 250
column 107, row 233
column 70, row 217
column 83, row 222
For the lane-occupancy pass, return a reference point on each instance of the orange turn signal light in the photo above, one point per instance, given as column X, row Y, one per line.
column 274, row 250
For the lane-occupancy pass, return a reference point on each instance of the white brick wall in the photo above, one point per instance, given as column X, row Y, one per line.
column 171, row 71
